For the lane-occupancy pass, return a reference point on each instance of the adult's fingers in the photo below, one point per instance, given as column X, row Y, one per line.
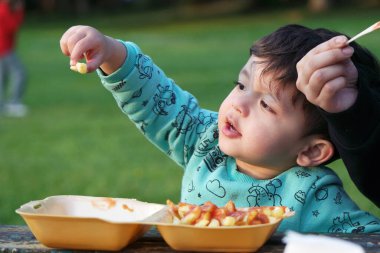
column 333, row 43
column 322, row 76
column 328, row 98
column 328, row 58
column 312, row 63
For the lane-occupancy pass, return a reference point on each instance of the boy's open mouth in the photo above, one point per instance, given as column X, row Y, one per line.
column 230, row 129
column 231, row 126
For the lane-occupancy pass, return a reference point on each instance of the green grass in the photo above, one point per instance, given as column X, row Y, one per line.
column 76, row 141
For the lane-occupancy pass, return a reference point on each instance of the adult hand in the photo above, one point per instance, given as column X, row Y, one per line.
column 327, row 76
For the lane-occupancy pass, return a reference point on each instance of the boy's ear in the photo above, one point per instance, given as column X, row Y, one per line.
column 316, row 152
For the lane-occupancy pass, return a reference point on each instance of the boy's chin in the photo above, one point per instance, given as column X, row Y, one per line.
column 226, row 149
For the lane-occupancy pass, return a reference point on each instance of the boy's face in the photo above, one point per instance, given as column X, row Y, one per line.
column 259, row 125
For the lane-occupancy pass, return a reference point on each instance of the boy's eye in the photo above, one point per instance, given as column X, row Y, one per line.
column 239, row 85
column 266, row 106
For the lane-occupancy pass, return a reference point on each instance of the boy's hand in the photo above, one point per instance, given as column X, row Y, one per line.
column 80, row 42
column 327, row 76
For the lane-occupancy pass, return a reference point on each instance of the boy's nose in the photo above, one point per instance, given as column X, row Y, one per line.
column 240, row 108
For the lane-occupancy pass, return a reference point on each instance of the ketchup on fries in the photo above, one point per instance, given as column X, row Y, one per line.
column 210, row 215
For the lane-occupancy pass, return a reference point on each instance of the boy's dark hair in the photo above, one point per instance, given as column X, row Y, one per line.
column 281, row 51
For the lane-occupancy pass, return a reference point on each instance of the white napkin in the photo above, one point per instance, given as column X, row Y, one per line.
column 299, row 243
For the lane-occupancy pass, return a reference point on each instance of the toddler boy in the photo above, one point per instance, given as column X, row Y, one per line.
column 267, row 144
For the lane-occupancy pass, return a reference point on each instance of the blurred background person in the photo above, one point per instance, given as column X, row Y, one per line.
column 11, row 68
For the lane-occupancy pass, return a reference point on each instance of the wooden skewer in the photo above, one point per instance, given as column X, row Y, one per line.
column 366, row 31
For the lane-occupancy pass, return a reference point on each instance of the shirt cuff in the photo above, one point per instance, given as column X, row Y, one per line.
column 125, row 69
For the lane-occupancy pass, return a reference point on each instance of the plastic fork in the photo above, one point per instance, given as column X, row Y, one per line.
column 366, row 31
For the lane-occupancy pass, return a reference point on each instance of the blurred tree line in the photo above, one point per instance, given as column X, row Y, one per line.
column 81, row 7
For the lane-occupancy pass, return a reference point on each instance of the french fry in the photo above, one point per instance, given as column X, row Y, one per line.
column 208, row 207
column 228, row 221
column 204, row 219
column 230, row 207
column 183, row 210
column 214, row 223
column 263, row 218
column 79, row 67
column 209, row 215
column 173, row 209
column 278, row 212
column 251, row 216
column 239, row 217
column 202, row 223
column 220, row 214
column 191, row 216
column 267, row 211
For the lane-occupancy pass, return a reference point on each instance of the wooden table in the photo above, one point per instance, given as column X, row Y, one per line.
column 19, row 239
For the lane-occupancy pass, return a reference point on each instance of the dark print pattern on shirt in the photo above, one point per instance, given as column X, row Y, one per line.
column 300, row 196
column 321, row 194
column 204, row 122
column 315, row 213
column 135, row 95
column 144, row 66
column 216, row 188
column 302, row 174
column 214, row 159
column 338, row 198
column 165, row 97
column 207, row 142
column 119, row 85
column 260, row 196
column 184, row 121
column 314, row 186
column 190, row 187
column 187, row 152
column 344, row 224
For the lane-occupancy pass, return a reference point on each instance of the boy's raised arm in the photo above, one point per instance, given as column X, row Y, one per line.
column 80, row 42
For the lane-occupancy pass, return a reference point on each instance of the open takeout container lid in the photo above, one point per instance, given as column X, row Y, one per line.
column 84, row 222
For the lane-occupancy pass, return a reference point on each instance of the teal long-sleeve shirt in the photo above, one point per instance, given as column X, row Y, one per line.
column 173, row 121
